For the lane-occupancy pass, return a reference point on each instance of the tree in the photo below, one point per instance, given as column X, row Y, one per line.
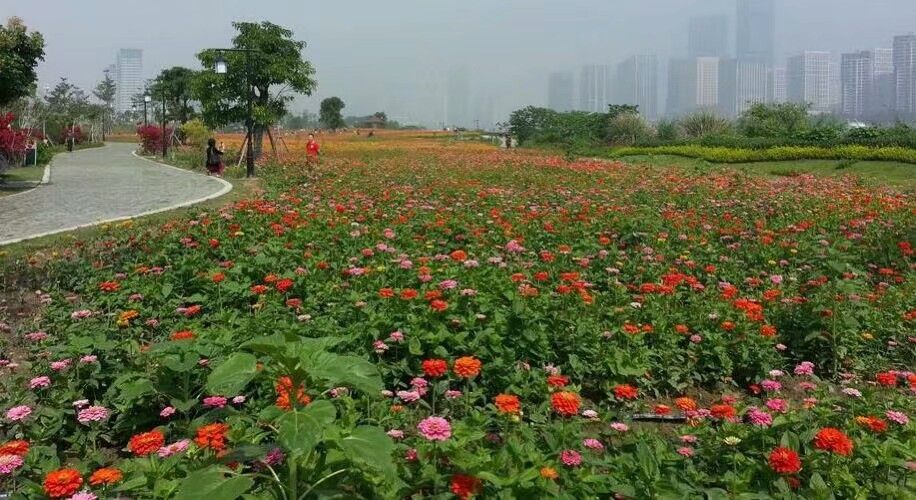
column 175, row 83
column 704, row 123
column 774, row 120
column 105, row 92
column 20, row 52
column 627, row 128
column 277, row 62
column 66, row 104
column 330, row 113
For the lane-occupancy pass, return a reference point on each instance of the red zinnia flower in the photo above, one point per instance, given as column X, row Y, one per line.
column 722, row 412
column 284, row 285
column 507, row 403
column 386, row 293
column 438, row 305
column 784, row 461
column 886, row 379
column 625, row 391
column 182, row 335
column 62, row 483
column 146, row 443
column 834, row 441
column 435, row 367
column 464, row 486
column 557, row 381
column 18, row 447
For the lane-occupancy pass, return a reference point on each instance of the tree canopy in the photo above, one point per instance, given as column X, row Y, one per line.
column 330, row 114
column 20, row 52
column 176, row 83
column 277, row 72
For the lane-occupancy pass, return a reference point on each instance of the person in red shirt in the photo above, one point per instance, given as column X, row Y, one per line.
column 312, row 151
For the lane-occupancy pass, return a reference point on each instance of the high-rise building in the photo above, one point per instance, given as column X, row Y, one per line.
column 905, row 73
column 707, row 37
column 808, row 80
column 693, row 84
column 883, row 61
column 457, row 99
column 881, row 101
column 756, row 30
column 128, row 77
column 637, row 83
column 560, row 91
column 741, row 84
column 857, row 76
column 835, row 86
column 777, row 85
column 594, row 88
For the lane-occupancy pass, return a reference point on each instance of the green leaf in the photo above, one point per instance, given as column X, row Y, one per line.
column 299, row 432
column 213, row 484
column 232, row 375
column 370, row 445
column 413, row 345
column 350, row 371
column 136, row 389
column 166, row 290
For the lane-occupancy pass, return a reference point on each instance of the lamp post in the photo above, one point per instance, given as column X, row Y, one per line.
column 146, row 100
column 221, row 66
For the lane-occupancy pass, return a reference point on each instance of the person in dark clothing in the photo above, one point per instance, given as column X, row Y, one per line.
column 214, row 158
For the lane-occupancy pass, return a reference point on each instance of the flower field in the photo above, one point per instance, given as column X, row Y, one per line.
column 421, row 317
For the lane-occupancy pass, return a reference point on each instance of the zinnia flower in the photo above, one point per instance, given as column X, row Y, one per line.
column 17, row 447
column 62, row 483
column 833, row 440
column 105, row 476
column 435, row 368
column 464, row 486
column 565, row 403
column 92, row 414
column 507, row 403
column 18, row 413
column 570, row 458
column 784, row 461
column 625, row 391
column 146, row 443
column 212, row 436
column 174, row 448
column 435, row 428
column 467, row 367
column 9, row 463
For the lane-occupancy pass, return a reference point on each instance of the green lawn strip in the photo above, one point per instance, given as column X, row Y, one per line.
column 23, row 174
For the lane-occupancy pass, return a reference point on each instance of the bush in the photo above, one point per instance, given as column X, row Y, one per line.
column 627, row 128
column 774, row 120
column 704, row 123
column 666, row 130
column 195, row 133
column 151, row 138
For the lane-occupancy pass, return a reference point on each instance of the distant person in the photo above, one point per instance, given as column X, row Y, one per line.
column 215, row 158
column 71, row 139
column 508, row 141
column 371, row 133
column 312, row 151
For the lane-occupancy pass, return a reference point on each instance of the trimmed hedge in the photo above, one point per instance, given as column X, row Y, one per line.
column 783, row 153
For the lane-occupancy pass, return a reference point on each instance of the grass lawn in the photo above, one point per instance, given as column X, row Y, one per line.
column 23, row 174
column 894, row 173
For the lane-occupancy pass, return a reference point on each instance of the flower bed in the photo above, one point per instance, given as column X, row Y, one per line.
column 782, row 153
column 427, row 318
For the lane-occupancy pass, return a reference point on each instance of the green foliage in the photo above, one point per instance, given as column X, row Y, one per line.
column 774, row 120
column 627, row 129
column 196, row 133
column 20, row 52
column 276, row 62
column 330, row 114
column 667, row 130
column 783, row 153
column 703, row 124
column 546, row 126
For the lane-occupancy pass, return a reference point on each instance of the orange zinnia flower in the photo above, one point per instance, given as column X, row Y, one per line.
column 212, row 436
column 435, row 367
column 565, row 403
column 183, row 335
column 508, row 403
column 625, row 391
column 283, row 387
column 146, row 443
column 833, row 440
column 62, row 483
column 105, row 476
column 18, row 447
column 685, row 404
column 467, row 367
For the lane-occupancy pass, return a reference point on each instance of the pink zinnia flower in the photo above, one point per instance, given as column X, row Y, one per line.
column 88, row 359
column 92, row 414
column 167, row 412
column 81, row 314
column 396, row 337
column 435, row 429
column 620, row 427
column 689, row 438
column 214, row 402
column 39, row 382
column 514, row 247
column 452, row 394
column 174, row 448
column 590, row 414
column 685, row 451
column 79, row 403
column 396, row 434
column 408, row 396
column 778, row 405
column 18, row 413
column 758, row 417
column 771, row 385
column 238, row 400
column 570, row 458
column 804, row 368
column 60, row 365
column 379, row 346
column 411, row 455
column 897, row 417
column 84, row 495
column 36, row 336
column 9, row 463
column 592, row 444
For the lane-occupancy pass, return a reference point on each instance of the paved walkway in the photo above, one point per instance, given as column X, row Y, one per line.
column 99, row 185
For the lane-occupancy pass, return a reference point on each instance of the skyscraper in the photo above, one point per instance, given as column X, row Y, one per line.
column 594, row 88
column 808, row 80
column 707, row 37
column 857, row 77
column 693, row 84
column 637, row 83
column 128, row 77
column 881, row 101
column 905, row 73
column 741, row 84
column 778, row 85
column 756, row 30
column 560, row 91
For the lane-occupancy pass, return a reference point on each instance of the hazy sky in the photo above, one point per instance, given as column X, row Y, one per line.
column 394, row 55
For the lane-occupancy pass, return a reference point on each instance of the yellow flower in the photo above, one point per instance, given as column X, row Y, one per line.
column 549, row 473
column 867, row 336
column 732, row 440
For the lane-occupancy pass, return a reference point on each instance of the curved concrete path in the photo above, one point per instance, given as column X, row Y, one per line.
column 95, row 186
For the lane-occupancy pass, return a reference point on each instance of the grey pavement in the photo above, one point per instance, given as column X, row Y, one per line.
column 95, row 185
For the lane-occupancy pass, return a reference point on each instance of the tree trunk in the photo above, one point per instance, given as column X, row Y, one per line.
column 258, row 141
